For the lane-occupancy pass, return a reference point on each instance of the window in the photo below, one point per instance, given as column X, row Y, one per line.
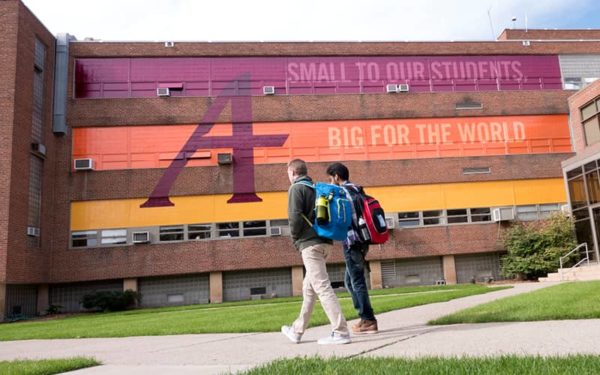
column 84, row 239
column 433, row 217
column 591, row 122
column 171, row 233
column 409, row 219
column 548, row 209
column 199, row 231
column 527, row 213
column 588, row 110
column 480, row 214
column 114, row 237
column 255, row 228
column 457, row 216
column 572, row 83
column 228, row 229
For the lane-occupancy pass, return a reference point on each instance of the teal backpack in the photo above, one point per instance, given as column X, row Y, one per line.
column 333, row 211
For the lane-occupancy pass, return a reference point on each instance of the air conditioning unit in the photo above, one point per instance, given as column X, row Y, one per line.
column 163, row 91
column 141, row 237
column 565, row 209
column 503, row 214
column 83, row 164
column 390, row 222
column 224, row 158
column 275, row 231
column 169, row 44
column 38, row 148
column 391, row 87
column 33, row 231
column 403, row 87
column 268, row 90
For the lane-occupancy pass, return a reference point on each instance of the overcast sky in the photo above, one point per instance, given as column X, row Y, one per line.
column 307, row 20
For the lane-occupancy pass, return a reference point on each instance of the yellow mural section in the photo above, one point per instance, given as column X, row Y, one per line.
column 126, row 213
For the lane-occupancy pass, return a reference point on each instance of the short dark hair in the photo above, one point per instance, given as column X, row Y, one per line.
column 299, row 167
column 340, row 170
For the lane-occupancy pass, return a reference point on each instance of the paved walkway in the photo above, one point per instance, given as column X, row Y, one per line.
column 403, row 333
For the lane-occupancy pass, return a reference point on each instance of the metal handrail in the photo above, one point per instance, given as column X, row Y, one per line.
column 586, row 259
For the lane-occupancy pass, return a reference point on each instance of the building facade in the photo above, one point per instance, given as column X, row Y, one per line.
column 581, row 170
column 161, row 167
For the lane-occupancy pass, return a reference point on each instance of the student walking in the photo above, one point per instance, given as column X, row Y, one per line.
column 314, row 250
column 355, row 252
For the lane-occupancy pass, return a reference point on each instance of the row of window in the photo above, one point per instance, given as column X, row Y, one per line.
column 208, row 231
column 175, row 233
column 471, row 215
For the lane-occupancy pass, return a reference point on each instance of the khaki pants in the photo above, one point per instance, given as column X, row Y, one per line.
column 316, row 283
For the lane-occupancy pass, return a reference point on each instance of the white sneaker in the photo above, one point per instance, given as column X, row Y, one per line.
column 289, row 333
column 335, row 339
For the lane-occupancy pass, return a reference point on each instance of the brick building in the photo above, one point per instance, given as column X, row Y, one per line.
column 161, row 167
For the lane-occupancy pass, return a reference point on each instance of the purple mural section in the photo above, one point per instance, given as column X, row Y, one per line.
column 196, row 76
column 242, row 141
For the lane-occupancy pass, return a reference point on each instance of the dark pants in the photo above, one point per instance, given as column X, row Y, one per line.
column 355, row 279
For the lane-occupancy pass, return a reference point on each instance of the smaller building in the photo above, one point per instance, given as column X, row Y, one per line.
column 581, row 171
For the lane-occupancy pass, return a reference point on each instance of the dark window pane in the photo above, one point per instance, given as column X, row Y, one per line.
column 435, row 221
column 582, row 213
column 457, row 219
column 574, row 172
column 590, row 166
column 228, row 229
column 408, row 215
column 583, row 232
column 174, row 233
column 432, row 213
column 593, row 186
column 577, row 192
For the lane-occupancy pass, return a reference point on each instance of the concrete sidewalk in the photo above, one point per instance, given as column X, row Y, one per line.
column 402, row 333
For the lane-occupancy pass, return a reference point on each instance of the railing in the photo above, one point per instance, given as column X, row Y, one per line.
column 585, row 259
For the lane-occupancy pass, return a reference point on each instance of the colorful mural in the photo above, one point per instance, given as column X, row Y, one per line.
column 127, row 213
column 207, row 76
column 157, row 146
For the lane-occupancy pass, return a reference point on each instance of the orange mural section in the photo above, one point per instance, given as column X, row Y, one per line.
column 130, row 147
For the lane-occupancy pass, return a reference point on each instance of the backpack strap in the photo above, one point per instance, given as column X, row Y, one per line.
column 309, row 184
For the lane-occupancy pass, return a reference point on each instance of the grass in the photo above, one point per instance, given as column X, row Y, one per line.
column 46, row 366
column 238, row 317
column 579, row 364
column 576, row 300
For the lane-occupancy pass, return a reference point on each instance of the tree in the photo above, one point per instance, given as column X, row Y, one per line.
column 534, row 248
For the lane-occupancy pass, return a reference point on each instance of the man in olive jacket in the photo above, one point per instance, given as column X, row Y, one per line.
column 314, row 250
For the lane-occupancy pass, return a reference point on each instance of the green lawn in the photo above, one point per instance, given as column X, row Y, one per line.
column 580, row 365
column 45, row 366
column 575, row 300
column 248, row 316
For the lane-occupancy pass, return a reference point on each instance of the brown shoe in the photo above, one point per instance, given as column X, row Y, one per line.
column 365, row 327
column 356, row 327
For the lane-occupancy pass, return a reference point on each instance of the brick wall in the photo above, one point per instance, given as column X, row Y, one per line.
column 28, row 264
column 8, row 64
column 577, row 101
column 107, row 49
column 533, row 34
column 112, row 112
column 256, row 253
column 139, row 183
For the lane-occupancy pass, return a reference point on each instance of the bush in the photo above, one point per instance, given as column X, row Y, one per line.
column 534, row 248
column 110, row 301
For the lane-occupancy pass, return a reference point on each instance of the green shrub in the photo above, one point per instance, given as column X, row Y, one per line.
column 110, row 300
column 534, row 248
